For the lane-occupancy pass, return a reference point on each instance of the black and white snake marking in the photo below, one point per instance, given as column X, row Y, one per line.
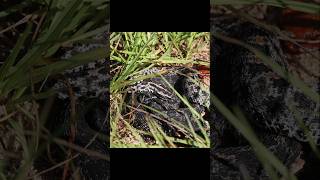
column 155, row 93
column 240, row 78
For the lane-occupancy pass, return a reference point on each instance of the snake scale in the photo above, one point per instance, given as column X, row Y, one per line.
column 156, row 93
column 266, row 99
column 89, row 84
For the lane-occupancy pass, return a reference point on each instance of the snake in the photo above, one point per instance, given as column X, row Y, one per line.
column 89, row 84
column 169, row 109
column 265, row 97
column 90, row 95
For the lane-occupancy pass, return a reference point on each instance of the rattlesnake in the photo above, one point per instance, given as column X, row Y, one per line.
column 240, row 78
column 155, row 93
column 89, row 84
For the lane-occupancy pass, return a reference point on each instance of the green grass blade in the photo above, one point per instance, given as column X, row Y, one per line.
column 5, row 67
column 293, row 79
column 295, row 5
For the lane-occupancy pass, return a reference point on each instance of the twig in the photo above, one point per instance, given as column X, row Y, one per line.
column 72, row 125
column 78, row 148
column 8, row 116
column 38, row 26
column 22, row 21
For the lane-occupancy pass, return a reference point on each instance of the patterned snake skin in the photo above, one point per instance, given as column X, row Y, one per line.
column 89, row 84
column 240, row 78
column 155, row 93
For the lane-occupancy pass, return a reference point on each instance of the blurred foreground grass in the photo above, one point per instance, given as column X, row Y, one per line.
column 33, row 32
column 235, row 117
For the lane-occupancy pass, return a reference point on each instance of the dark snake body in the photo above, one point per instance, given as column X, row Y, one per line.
column 89, row 84
column 155, row 93
column 240, row 78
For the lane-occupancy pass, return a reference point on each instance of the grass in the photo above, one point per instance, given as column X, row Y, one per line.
column 133, row 52
column 312, row 8
column 37, row 29
column 235, row 117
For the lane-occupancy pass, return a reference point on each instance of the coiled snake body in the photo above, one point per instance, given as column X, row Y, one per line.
column 157, row 94
column 89, row 84
column 241, row 78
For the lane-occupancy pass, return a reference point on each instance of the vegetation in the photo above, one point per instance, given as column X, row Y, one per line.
column 33, row 32
column 235, row 116
column 133, row 52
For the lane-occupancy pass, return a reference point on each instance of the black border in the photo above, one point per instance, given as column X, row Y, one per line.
column 159, row 16
column 159, row 163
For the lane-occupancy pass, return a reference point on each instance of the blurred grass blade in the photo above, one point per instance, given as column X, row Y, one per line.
column 5, row 67
column 293, row 79
column 14, row 8
column 79, row 37
column 34, row 55
column 61, row 20
column 261, row 151
column 295, row 5
column 41, row 73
